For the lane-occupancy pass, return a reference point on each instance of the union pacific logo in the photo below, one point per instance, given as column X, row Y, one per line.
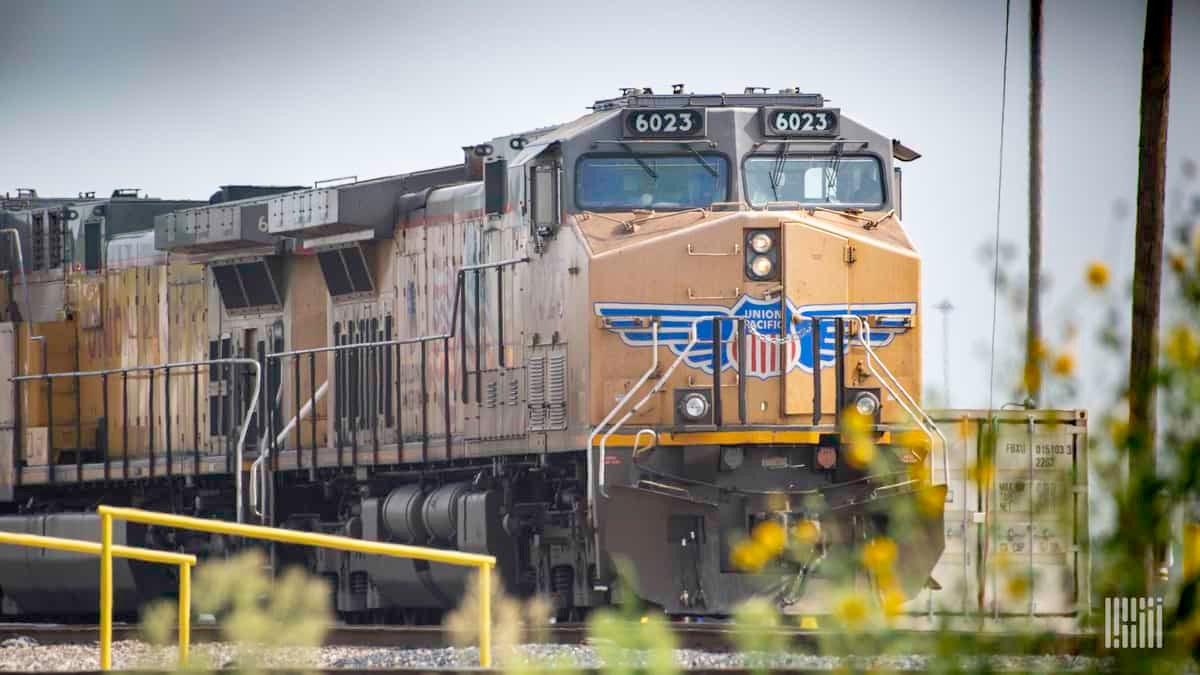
column 765, row 357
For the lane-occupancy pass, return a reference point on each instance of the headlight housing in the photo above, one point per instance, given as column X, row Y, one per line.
column 867, row 404
column 865, row 401
column 761, row 267
column 762, row 255
column 693, row 406
column 761, row 242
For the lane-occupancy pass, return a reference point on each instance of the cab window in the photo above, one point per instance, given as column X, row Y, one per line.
column 814, row 179
column 645, row 181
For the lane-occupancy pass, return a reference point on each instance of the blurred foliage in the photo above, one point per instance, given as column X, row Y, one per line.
column 275, row 621
column 629, row 640
column 513, row 623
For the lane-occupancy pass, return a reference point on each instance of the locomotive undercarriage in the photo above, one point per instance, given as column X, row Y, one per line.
column 527, row 510
column 695, row 504
column 691, row 505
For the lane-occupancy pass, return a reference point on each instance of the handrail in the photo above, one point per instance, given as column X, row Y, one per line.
column 457, row 330
column 596, row 430
column 183, row 560
column 905, row 400
column 252, row 408
column 922, row 419
column 484, row 563
column 890, row 383
column 259, row 486
column 662, row 380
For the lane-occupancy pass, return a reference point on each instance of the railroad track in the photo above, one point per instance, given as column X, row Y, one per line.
column 715, row 637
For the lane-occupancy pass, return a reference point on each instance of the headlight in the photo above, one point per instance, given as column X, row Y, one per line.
column 694, row 406
column 761, row 267
column 866, row 404
column 761, row 242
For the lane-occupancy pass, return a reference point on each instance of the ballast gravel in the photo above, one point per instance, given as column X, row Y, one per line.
column 25, row 654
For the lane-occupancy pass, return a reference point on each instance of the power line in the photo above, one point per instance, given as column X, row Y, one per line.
column 999, row 197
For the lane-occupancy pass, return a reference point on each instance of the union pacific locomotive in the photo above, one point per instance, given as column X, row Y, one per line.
column 634, row 336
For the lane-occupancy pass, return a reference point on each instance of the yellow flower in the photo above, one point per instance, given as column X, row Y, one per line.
column 893, row 601
column 1178, row 262
column 918, row 471
column 748, row 556
column 1064, row 364
column 982, row 474
column 861, row 453
column 1017, row 587
column 770, row 536
column 914, row 440
column 851, row 610
column 1183, row 348
column 930, row 501
column 1032, row 378
column 807, row 532
column 1097, row 275
column 1040, row 350
column 879, row 555
column 1118, row 430
column 855, row 423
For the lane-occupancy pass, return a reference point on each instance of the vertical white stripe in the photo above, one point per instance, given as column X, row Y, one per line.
column 1124, row 622
column 1108, row 623
column 1158, row 623
column 1145, row 620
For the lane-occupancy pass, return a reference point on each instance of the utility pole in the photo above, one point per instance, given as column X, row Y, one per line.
column 945, row 308
column 1148, row 252
column 1033, row 318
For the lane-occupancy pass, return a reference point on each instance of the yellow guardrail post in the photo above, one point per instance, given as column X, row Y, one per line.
column 106, row 550
column 485, row 616
column 185, row 612
column 484, row 563
column 105, row 592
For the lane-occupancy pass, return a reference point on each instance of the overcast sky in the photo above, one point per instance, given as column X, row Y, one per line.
column 178, row 98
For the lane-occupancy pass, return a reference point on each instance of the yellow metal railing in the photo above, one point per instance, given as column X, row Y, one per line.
column 184, row 561
column 484, row 563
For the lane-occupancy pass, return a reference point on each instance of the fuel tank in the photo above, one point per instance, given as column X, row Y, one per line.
column 44, row 582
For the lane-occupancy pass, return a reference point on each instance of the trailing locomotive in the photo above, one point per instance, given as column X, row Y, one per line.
column 633, row 336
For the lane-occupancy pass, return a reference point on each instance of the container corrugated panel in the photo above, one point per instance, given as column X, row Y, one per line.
column 1016, row 529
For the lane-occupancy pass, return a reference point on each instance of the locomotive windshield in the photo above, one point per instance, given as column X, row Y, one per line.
column 814, row 179
column 643, row 181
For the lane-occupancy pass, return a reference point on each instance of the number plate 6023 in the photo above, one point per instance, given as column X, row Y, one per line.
column 800, row 121
column 664, row 123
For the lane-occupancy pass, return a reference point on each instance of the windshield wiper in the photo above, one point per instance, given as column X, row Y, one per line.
column 777, row 170
column 700, row 158
column 638, row 158
column 834, row 165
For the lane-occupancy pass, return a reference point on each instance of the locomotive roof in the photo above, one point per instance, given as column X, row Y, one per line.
column 750, row 99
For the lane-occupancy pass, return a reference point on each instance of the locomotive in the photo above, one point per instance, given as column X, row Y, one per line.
column 635, row 336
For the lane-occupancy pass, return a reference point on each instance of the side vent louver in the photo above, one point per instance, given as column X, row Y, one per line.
column 556, row 391
column 536, row 369
column 547, row 372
